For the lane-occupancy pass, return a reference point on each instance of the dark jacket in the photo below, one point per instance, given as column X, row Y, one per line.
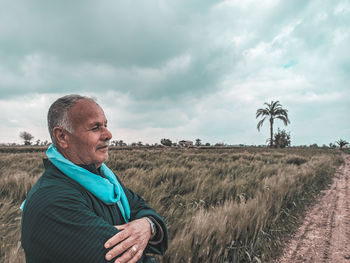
column 63, row 222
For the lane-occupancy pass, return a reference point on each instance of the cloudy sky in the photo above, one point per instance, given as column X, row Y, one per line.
column 181, row 69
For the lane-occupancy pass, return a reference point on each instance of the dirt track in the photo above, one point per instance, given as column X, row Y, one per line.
column 325, row 234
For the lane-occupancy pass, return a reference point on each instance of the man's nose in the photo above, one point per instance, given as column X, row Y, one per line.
column 107, row 135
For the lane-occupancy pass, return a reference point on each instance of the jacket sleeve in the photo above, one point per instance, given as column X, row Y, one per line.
column 138, row 209
column 63, row 228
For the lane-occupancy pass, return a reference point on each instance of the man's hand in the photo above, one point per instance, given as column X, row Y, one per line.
column 132, row 239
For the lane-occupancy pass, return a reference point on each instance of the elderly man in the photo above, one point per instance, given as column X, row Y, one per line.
column 79, row 211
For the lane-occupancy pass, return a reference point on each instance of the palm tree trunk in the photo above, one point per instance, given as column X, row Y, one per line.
column 271, row 132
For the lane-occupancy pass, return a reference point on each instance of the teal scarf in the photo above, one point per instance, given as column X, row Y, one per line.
column 108, row 189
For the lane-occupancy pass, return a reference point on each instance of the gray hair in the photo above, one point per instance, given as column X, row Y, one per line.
column 58, row 113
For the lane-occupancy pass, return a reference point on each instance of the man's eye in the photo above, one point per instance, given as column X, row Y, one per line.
column 95, row 128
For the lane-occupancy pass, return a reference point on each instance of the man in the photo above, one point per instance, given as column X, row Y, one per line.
column 79, row 211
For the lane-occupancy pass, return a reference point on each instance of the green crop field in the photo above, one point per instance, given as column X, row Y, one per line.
column 221, row 205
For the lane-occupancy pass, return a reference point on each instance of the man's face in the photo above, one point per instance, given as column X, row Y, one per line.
column 90, row 139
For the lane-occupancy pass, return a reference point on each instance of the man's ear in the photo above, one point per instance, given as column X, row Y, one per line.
column 61, row 137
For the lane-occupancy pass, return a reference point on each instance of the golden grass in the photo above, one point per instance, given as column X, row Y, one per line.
column 221, row 205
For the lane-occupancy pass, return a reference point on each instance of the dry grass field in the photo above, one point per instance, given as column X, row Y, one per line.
column 221, row 205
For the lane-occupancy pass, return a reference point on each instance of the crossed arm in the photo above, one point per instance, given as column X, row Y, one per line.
column 128, row 245
column 58, row 230
column 131, row 240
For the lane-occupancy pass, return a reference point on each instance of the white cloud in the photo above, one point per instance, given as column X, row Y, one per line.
column 24, row 114
column 313, row 97
column 248, row 4
column 178, row 69
column 342, row 8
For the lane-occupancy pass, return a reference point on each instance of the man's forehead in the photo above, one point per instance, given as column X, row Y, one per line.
column 86, row 111
column 84, row 105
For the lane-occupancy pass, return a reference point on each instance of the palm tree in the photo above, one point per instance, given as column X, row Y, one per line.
column 342, row 143
column 273, row 111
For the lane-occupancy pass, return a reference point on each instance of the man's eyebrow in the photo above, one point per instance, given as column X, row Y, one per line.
column 98, row 123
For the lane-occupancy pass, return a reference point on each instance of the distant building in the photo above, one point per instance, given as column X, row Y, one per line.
column 185, row 143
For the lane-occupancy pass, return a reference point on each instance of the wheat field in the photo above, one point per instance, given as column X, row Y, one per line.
column 220, row 205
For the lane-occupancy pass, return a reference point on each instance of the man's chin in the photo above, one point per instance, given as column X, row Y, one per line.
column 102, row 157
column 105, row 157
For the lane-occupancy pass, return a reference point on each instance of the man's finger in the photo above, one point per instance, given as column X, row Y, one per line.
column 117, row 238
column 126, row 245
column 130, row 255
column 136, row 257
column 121, row 227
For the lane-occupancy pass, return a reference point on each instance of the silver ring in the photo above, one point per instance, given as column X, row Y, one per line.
column 134, row 249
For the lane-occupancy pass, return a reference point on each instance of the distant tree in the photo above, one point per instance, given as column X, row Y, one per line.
column 45, row 143
column 273, row 111
column 332, row 145
column 139, row 144
column 341, row 143
column 198, row 142
column 27, row 137
column 121, row 143
column 37, row 142
column 118, row 143
column 314, row 145
column 281, row 139
column 166, row 142
column 133, row 144
column 207, row 144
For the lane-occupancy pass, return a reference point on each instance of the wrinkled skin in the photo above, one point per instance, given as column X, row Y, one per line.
column 132, row 238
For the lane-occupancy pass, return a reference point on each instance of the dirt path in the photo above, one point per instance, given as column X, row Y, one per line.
column 325, row 234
